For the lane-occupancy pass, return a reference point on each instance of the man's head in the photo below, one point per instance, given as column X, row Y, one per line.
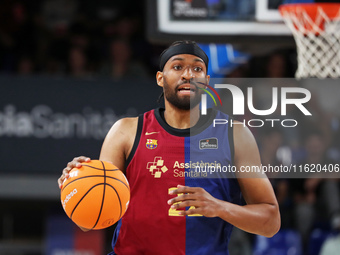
column 183, row 70
column 182, row 47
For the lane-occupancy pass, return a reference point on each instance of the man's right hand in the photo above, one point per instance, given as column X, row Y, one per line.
column 75, row 163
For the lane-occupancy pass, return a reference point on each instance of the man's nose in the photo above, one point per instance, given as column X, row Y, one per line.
column 187, row 74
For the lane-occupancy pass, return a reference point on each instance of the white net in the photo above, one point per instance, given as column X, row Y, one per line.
column 317, row 41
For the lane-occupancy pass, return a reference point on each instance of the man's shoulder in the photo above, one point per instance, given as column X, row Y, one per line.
column 126, row 123
column 132, row 122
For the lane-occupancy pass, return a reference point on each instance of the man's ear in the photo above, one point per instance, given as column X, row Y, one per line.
column 208, row 79
column 159, row 78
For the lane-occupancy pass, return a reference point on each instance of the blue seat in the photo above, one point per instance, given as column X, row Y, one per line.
column 285, row 242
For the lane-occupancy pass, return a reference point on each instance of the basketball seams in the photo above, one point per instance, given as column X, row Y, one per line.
column 97, row 168
column 102, row 207
column 80, row 178
column 103, row 197
column 127, row 186
column 90, row 176
column 118, row 196
column 87, row 192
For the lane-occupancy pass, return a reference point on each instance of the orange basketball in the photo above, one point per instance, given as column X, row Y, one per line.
column 96, row 195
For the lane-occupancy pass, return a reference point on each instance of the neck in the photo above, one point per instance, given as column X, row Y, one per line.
column 181, row 119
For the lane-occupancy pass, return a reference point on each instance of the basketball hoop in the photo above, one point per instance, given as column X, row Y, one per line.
column 316, row 30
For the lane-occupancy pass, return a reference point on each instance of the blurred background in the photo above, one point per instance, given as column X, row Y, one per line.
column 69, row 69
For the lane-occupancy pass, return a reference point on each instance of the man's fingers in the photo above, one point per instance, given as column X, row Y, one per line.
column 60, row 182
column 184, row 204
column 185, row 193
column 181, row 198
column 190, row 212
column 179, row 190
column 67, row 170
column 75, row 163
column 81, row 159
column 65, row 175
column 185, row 189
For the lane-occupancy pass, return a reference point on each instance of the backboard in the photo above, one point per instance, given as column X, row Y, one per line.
column 222, row 21
column 247, row 24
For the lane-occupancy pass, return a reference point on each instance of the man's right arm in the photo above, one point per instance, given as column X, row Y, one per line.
column 119, row 142
column 115, row 149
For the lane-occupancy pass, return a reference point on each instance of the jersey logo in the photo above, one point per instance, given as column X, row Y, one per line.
column 157, row 167
column 150, row 133
column 208, row 143
column 151, row 144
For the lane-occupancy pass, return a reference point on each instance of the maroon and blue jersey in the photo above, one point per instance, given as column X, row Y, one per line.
column 161, row 158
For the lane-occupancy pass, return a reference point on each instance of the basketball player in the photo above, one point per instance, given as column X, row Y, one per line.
column 174, row 210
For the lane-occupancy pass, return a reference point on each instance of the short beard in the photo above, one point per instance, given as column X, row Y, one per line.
column 186, row 103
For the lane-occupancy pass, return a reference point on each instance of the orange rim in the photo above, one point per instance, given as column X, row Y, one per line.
column 331, row 9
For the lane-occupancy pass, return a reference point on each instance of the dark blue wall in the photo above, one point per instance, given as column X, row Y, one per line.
column 45, row 122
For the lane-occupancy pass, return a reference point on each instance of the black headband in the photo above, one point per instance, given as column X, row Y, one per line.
column 191, row 49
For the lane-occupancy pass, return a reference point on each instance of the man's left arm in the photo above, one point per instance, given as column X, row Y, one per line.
column 261, row 213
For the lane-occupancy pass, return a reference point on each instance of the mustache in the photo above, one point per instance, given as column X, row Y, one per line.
column 192, row 82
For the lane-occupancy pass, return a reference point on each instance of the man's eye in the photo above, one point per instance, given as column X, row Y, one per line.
column 177, row 67
column 198, row 69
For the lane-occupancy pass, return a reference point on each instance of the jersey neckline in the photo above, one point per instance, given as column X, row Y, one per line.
column 202, row 124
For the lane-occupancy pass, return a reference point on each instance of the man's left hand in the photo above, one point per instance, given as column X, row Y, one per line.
column 197, row 199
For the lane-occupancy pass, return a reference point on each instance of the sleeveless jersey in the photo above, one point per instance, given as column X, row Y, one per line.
column 161, row 158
